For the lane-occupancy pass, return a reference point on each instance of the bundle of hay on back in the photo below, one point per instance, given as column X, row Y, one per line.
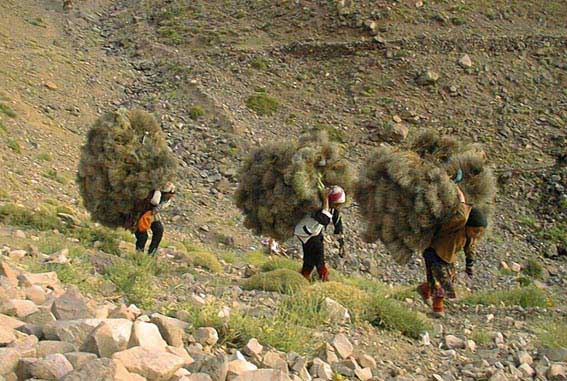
column 280, row 183
column 125, row 157
column 403, row 198
column 450, row 154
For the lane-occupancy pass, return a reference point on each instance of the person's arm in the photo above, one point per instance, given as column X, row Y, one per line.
column 156, row 198
column 473, row 234
column 338, row 224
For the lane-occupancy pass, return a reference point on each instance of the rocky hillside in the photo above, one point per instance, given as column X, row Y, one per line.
column 77, row 303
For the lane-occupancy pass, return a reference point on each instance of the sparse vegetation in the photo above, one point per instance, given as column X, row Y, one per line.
column 523, row 296
column 390, row 314
column 3, row 128
column 14, row 146
column 533, row 268
column 481, row 337
column 197, row 256
column 134, row 281
column 39, row 219
column 260, row 63
column 281, row 280
column 553, row 334
column 7, row 110
column 196, row 112
column 105, row 239
column 45, row 156
column 262, row 104
column 54, row 175
column 280, row 263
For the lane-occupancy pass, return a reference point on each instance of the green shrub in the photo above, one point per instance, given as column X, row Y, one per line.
column 3, row 128
column 354, row 299
column 281, row 280
column 393, row 315
column 52, row 174
column 136, row 283
column 260, row 63
column 262, row 104
column 204, row 259
column 7, row 110
column 14, row 146
column 481, row 337
column 108, row 239
column 44, row 156
column 280, row 263
column 40, row 219
column 553, row 334
column 524, row 297
column 196, row 112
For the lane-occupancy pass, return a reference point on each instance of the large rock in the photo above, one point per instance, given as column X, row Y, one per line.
column 321, row 369
column 8, row 272
column 428, row 77
column 215, row 366
column 363, row 374
column 146, row 335
column 45, row 280
column 71, row 305
column 556, row 372
column 111, row 336
column 9, row 358
column 182, row 353
column 7, row 336
column 453, row 342
column 197, row 377
column 48, row 347
column 32, row 329
column 154, row 365
column 337, row 312
column 36, row 294
column 237, row 367
column 26, row 346
column 52, row 367
column 10, row 322
column 342, row 345
column 41, row 317
column 77, row 359
column 102, row 370
column 171, row 329
column 367, row 361
column 207, row 336
column 553, row 354
column 19, row 308
column 263, row 375
column 122, row 312
column 524, row 357
column 71, row 331
column 275, row 360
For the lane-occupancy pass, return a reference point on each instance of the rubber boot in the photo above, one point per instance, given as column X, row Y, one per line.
column 425, row 293
column 323, row 273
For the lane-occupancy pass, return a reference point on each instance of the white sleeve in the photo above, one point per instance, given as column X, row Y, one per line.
column 156, row 198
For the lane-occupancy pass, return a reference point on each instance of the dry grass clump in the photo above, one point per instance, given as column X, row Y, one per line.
column 125, row 157
column 280, row 280
column 280, row 183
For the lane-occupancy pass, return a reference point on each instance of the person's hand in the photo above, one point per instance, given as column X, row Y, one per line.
column 325, row 193
column 461, row 195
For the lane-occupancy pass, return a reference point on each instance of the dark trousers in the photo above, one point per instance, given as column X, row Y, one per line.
column 142, row 238
column 440, row 275
column 314, row 257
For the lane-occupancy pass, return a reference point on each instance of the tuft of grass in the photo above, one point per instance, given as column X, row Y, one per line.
column 54, row 175
column 204, row 259
column 3, row 128
column 105, row 239
column 135, row 282
column 4, row 195
column 280, row 280
column 553, row 334
column 14, row 146
column 279, row 263
column 44, row 156
column 262, row 104
column 351, row 297
column 39, row 219
column 533, row 268
column 255, row 258
column 196, row 112
column 481, row 337
column 392, row 315
column 333, row 132
column 260, row 63
column 524, row 297
column 7, row 110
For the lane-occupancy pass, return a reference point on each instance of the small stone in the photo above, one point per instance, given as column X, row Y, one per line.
column 59, row 257
column 17, row 254
column 181, row 353
column 556, row 372
column 122, row 312
column 471, row 345
column 321, row 370
column 77, row 359
column 237, row 367
column 275, row 360
column 363, row 374
column 524, row 358
column 262, row 375
column 429, row 77
column 8, row 272
column 342, row 345
column 207, row 336
column 35, row 294
column 47, row 347
column 50, row 85
column 498, row 376
column 527, row 370
column 19, row 308
column 45, row 280
column 172, row 330
column 465, row 61
column 515, row 267
column 253, row 348
column 70, row 331
column 504, row 266
column 19, row 234
column 196, row 301
column 9, row 358
column 7, row 336
column 367, row 361
column 215, row 366
column 197, row 377
column 453, row 342
column 25, row 345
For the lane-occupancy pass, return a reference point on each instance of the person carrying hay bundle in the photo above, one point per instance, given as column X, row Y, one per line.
column 461, row 232
column 310, row 231
column 125, row 171
column 150, row 219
